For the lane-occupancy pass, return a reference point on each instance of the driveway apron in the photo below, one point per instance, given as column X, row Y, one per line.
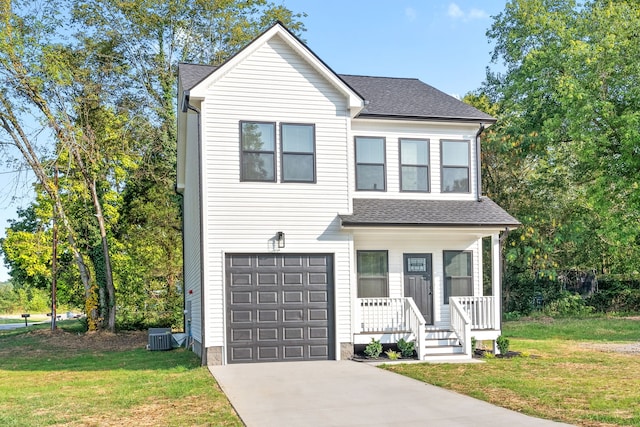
column 346, row 393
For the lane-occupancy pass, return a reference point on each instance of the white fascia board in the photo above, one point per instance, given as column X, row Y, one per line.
column 444, row 231
column 356, row 103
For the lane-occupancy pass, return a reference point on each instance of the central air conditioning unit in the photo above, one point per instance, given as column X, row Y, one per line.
column 159, row 339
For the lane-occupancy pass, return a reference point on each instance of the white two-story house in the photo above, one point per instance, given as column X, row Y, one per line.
column 322, row 210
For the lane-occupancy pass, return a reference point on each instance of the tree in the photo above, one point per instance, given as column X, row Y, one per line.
column 100, row 93
column 569, row 102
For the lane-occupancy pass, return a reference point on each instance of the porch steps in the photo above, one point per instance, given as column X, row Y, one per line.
column 442, row 344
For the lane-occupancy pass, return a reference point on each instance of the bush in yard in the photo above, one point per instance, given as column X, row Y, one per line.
column 406, row 347
column 373, row 349
column 503, row 344
column 568, row 304
column 392, row 355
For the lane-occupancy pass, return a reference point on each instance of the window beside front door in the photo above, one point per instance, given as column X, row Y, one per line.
column 370, row 164
column 458, row 275
column 258, row 151
column 414, row 165
column 455, row 166
column 373, row 274
column 298, row 152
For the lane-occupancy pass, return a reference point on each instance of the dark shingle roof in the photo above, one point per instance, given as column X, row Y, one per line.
column 427, row 213
column 410, row 98
column 192, row 74
column 386, row 97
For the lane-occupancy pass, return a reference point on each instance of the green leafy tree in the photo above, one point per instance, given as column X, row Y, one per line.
column 563, row 156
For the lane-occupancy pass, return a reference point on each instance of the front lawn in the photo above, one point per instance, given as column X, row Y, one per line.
column 74, row 379
column 581, row 371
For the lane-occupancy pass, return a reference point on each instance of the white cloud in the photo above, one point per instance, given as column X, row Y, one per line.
column 455, row 12
column 477, row 14
column 411, row 13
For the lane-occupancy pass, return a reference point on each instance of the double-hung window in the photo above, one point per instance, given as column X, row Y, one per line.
column 258, row 151
column 455, row 166
column 414, row 165
column 373, row 274
column 298, row 152
column 370, row 163
column 458, row 275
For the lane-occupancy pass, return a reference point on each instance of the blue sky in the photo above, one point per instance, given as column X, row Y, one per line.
column 442, row 43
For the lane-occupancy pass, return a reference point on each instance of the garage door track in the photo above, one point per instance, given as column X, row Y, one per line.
column 346, row 393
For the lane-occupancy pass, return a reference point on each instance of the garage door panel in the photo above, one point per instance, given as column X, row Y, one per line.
column 318, row 315
column 267, row 279
column 265, row 316
column 241, row 335
column 292, row 261
column 268, row 334
column 241, row 297
column 267, row 261
column 267, row 353
column 293, row 315
column 241, row 316
column 267, row 297
column 279, row 307
column 241, row 279
column 317, row 296
column 292, row 297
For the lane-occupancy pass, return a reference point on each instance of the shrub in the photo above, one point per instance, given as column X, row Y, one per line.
column 392, row 355
column 474, row 344
column 406, row 347
column 373, row 349
column 568, row 304
column 503, row 344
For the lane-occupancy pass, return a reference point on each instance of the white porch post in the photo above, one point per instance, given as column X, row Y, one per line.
column 496, row 283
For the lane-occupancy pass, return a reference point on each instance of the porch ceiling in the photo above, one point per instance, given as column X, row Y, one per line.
column 427, row 213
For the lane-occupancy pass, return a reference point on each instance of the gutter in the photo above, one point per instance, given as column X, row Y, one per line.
column 478, row 164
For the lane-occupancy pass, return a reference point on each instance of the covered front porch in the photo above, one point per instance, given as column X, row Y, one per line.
column 447, row 330
column 390, row 319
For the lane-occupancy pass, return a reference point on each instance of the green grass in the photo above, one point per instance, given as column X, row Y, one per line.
column 43, row 384
column 562, row 379
column 582, row 329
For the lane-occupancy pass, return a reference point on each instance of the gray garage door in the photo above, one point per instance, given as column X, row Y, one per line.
column 279, row 307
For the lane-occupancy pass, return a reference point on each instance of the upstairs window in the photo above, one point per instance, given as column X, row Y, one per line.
column 370, row 166
column 257, row 142
column 373, row 274
column 458, row 276
column 414, row 165
column 298, row 152
column 455, row 166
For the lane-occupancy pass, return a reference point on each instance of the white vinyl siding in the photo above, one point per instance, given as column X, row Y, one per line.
column 191, row 220
column 393, row 132
column 276, row 85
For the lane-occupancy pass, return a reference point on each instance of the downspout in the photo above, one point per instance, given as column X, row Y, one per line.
column 478, row 165
column 186, row 106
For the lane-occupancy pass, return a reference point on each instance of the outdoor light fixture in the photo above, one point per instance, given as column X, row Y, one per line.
column 280, row 239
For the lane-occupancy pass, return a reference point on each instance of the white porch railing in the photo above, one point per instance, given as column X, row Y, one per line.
column 460, row 323
column 481, row 311
column 392, row 315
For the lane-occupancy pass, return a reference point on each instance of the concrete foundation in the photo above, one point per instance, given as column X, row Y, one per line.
column 346, row 350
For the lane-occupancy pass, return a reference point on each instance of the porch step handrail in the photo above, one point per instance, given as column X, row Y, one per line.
column 417, row 325
column 393, row 315
column 460, row 323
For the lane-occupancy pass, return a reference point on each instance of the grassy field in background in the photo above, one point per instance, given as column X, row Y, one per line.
column 569, row 372
column 53, row 379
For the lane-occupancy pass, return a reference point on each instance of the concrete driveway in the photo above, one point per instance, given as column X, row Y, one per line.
column 346, row 393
